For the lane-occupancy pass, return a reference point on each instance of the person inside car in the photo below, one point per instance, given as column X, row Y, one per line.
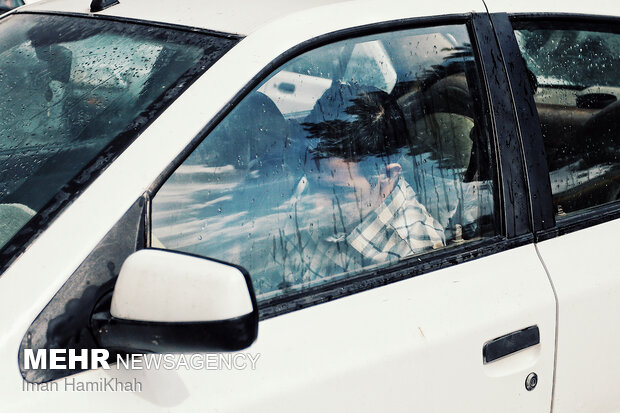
column 353, row 207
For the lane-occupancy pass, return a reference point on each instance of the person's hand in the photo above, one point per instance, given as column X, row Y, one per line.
column 387, row 181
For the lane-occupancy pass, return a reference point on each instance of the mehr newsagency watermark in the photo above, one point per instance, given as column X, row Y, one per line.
column 71, row 359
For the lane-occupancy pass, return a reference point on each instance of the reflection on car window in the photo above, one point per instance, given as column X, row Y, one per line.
column 6, row 5
column 342, row 173
column 577, row 82
column 69, row 87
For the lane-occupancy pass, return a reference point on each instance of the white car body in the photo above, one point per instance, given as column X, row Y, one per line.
column 411, row 345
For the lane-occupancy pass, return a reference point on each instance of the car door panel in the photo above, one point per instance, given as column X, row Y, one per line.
column 587, row 282
column 415, row 344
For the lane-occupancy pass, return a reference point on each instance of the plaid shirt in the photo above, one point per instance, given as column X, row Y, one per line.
column 398, row 228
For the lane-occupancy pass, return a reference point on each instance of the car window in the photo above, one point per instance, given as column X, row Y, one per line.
column 6, row 5
column 576, row 76
column 377, row 157
column 69, row 87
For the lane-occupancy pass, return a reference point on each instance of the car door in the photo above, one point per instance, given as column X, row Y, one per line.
column 399, row 333
column 574, row 89
column 470, row 315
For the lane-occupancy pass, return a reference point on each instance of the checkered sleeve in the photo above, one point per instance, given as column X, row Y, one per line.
column 400, row 227
column 309, row 258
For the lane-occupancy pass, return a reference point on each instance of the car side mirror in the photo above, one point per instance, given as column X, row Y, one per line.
column 170, row 302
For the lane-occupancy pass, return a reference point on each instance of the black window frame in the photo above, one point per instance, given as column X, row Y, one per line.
column 545, row 225
column 512, row 205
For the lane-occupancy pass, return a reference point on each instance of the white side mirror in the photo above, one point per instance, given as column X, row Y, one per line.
column 163, row 286
column 167, row 301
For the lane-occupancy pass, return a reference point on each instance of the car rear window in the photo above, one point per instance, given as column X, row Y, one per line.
column 75, row 91
column 575, row 71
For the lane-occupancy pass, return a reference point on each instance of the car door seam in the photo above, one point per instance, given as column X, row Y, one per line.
column 557, row 319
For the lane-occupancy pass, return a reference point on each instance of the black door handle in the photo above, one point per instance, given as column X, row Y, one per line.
column 510, row 343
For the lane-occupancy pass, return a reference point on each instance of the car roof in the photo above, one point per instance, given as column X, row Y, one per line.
column 590, row 7
column 245, row 16
column 231, row 16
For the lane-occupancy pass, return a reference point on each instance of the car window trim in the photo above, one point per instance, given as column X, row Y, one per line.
column 514, row 222
column 514, row 203
column 581, row 220
column 539, row 178
column 570, row 18
column 528, row 125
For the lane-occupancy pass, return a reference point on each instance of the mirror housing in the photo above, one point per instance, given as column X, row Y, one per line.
column 171, row 302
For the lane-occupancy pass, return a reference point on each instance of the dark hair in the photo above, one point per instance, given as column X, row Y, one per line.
column 352, row 122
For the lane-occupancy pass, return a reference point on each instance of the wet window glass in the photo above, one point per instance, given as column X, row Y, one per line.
column 6, row 5
column 374, row 154
column 69, row 87
column 576, row 77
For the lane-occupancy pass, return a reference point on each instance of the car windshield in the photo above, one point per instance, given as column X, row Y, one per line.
column 75, row 91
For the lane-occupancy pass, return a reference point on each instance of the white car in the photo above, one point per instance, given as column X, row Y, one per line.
column 310, row 206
